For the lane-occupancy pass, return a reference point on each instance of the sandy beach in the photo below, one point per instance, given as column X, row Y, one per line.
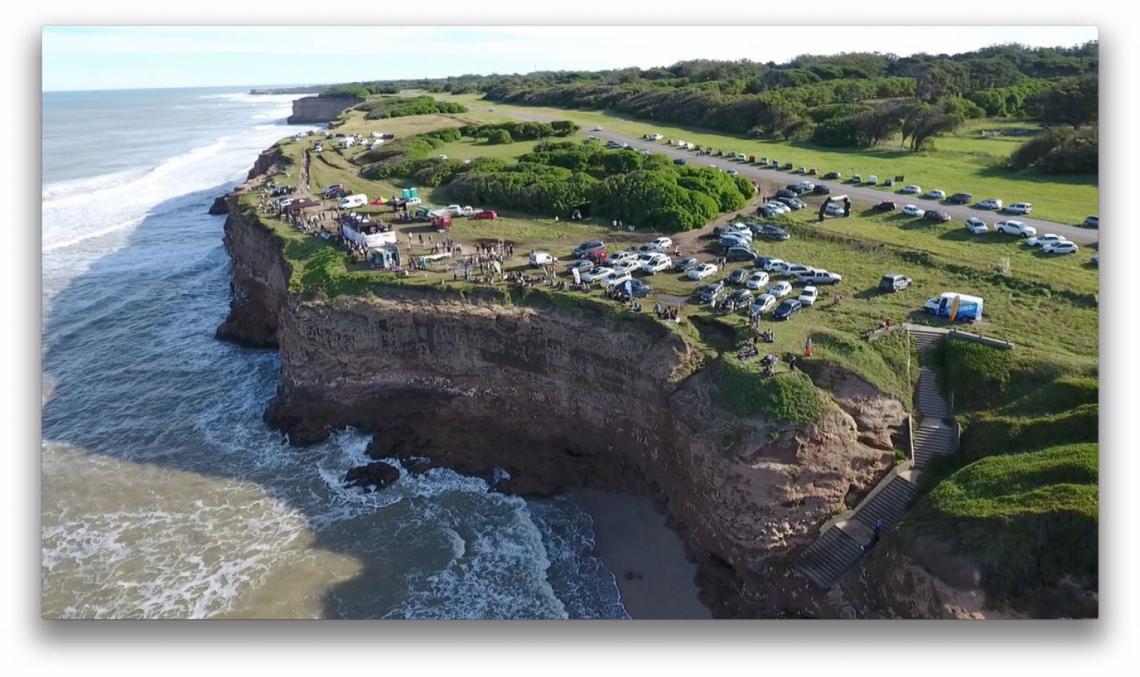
column 654, row 576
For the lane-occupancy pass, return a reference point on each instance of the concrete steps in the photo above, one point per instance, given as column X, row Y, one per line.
column 933, row 439
column 832, row 554
column 889, row 505
column 925, row 339
column 927, row 398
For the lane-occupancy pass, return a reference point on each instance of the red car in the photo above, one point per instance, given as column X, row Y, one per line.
column 486, row 214
column 935, row 215
column 885, row 206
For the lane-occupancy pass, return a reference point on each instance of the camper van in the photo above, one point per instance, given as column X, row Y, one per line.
column 354, row 201
column 964, row 308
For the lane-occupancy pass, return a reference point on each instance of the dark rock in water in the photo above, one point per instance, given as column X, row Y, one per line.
column 416, row 465
column 373, row 476
column 219, row 206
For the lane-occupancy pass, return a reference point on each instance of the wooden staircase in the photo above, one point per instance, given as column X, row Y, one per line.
column 843, row 542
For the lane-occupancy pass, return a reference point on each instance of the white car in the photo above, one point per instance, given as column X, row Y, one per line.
column 872, row 180
column 1019, row 208
column 809, row 295
column 976, row 225
column 805, row 186
column 700, row 272
column 741, row 228
column 913, row 210
column 663, row 242
column 796, row 269
column 776, row 266
column 780, row 289
column 442, row 156
column 935, row 195
column 541, row 258
column 620, row 256
column 989, row 203
column 656, row 263
column 596, row 274
column 1047, row 238
column 911, row 189
column 615, row 278
column 777, row 206
column 762, row 304
column 597, row 129
column 1060, row 247
column 1012, row 227
column 627, row 266
column 757, row 280
column 822, row 277
column 732, row 172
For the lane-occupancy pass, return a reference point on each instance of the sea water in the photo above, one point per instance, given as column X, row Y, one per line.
column 164, row 495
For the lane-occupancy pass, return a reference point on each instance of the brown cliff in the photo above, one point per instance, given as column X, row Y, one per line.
column 558, row 398
column 311, row 109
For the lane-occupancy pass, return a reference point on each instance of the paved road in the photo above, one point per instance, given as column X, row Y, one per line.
column 771, row 180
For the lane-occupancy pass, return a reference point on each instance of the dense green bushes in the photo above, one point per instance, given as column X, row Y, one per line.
column 1059, row 150
column 786, row 398
column 986, row 435
column 519, row 131
column 976, row 374
column 1030, row 520
column 401, row 106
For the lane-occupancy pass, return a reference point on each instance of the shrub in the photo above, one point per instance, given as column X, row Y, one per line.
column 499, row 136
column 788, row 397
column 976, row 374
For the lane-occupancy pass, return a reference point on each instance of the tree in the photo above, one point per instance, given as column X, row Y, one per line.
column 499, row 136
column 1071, row 102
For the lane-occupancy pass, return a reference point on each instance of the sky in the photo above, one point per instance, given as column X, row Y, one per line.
column 105, row 57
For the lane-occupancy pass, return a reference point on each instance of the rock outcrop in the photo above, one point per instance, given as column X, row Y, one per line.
column 549, row 398
column 311, row 109
column 219, row 206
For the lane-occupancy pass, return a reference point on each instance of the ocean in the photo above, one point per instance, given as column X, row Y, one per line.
column 164, row 495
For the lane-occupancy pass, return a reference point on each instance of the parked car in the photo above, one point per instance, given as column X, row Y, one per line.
column 757, row 280
column 626, row 266
column 808, row 295
column 797, row 269
column 872, row 180
column 775, row 266
column 597, row 129
column 785, row 193
column 885, row 206
column 734, row 240
column 581, row 265
column 833, row 209
column 1019, row 208
column 486, row 215
column 913, row 210
column 1095, row 260
column 596, row 273
column 1047, row 238
column 989, row 203
column 1012, row 227
column 893, row 282
column 541, row 258
column 738, row 276
column 976, row 225
column 792, row 202
column 822, row 277
column 685, row 264
column 960, row 199
column 788, row 309
column 762, row 304
column 638, row 289
column 739, row 297
column 780, row 289
column 1061, row 247
column 707, row 293
column 679, row 161
column 620, row 256
column 740, row 253
column 1091, row 222
column 769, row 232
column 805, row 186
column 934, row 195
column 821, row 189
column 911, row 189
column 773, row 209
column 833, row 176
column 581, row 249
column 856, row 178
column 700, row 271
column 655, row 263
column 936, row 215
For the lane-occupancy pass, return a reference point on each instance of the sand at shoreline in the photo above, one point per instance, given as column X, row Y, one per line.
column 633, row 538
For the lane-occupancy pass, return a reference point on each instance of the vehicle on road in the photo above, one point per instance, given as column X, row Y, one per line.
column 757, row 280
column 913, row 210
column 976, row 225
column 1061, row 247
column 893, row 282
column 1019, row 208
column 762, row 304
column 936, row 215
column 911, row 189
column 934, row 195
column 1047, row 238
column 885, row 206
column 989, row 203
column 780, row 289
column 1017, row 228
column 788, row 309
column 1091, row 222
column 541, row 258
column 700, row 271
column 808, row 295
column 960, row 199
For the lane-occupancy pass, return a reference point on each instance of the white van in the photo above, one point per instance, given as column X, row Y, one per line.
column 353, row 201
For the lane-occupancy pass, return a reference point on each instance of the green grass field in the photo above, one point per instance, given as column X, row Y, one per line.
column 963, row 162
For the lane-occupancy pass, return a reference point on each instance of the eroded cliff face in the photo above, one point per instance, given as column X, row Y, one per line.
column 311, row 109
column 559, row 398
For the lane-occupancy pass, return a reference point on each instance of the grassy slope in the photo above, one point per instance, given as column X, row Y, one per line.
column 1029, row 519
column 964, row 162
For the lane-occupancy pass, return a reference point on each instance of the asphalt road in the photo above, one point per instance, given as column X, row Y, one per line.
column 771, row 180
